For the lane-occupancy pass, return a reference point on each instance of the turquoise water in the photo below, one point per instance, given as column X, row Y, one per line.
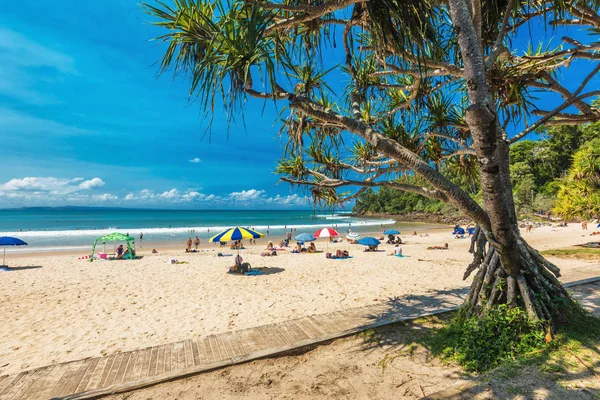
column 55, row 229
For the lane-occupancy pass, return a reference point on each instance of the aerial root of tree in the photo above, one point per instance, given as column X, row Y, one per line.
column 536, row 289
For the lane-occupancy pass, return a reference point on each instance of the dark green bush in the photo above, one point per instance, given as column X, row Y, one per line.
column 482, row 343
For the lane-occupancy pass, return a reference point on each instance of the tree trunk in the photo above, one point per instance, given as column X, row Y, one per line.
column 510, row 271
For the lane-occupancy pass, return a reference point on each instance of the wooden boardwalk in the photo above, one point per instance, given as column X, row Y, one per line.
column 95, row 377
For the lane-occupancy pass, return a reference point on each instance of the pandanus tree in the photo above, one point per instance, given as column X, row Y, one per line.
column 430, row 88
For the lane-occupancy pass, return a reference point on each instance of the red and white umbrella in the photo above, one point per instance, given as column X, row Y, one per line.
column 326, row 232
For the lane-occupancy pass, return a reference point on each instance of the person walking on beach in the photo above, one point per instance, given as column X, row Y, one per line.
column 584, row 225
column 141, row 237
column 196, row 242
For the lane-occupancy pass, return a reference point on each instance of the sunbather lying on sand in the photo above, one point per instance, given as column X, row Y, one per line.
column 445, row 247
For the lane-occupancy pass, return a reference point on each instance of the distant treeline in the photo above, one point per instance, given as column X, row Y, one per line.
column 560, row 172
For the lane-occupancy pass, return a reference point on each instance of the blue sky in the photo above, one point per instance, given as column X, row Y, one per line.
column 85, row 120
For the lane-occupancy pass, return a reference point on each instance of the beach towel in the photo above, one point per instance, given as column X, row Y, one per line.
column 254, row 272
column 400, row 256
column 340, row 258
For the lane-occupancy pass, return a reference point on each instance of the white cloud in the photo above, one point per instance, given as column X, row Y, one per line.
column 247, row 195
column 92, row 184
column 172, row 194
column 49, row 190
column 49, row 184
column 291, row 200
column 195, row 160
column 105, row 197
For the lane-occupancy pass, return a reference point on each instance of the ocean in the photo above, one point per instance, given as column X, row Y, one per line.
column 49, row 229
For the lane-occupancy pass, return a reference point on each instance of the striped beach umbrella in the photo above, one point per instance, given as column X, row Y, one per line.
column 326, row 232
column 236, row 233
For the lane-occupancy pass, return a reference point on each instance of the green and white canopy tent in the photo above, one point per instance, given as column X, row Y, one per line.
column 114, row 237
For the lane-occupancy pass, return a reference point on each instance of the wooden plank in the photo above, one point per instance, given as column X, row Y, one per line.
column 23, row 384
column 306, row 334
column 12, row 383
column 195, row 352
column 65, row 381
column 130, row 365
column 235, row 345
column 216, row 356
column 237, row 336
column 88, row 375
column 146, row 363
column 106, row 371
column 160, row 360
column 225, row 351
column 168, row 350
column 181, row 355
column 202, row 350
column 112, row 373
column 118, row 377
column 35, row 384
column 209, row 353
column 246, row 341
column 259, row 338
column 76, row 378
column 287, row 336
column 4, row 381
column 96, row 377
column 189, row 355
column 153, row 361
column 48, row 383
column 141, row 364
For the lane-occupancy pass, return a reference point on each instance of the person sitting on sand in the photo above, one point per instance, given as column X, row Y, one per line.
column 397, row 251
column 196, row 242
column 445, row 247
column 371, row 248
column 282, row 243
column 311, row 248
column 120, row 251
column 154, row 251
column 188, row 246
column 342, row 254
column 414, row 233
column 298, row 249
column 270, row 246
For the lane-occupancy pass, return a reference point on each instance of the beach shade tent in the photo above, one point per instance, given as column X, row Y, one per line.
column 391, row 232
column 9, row 241
column 114, row 237
column 369, row 241
column 326, row 233
column 236, row 233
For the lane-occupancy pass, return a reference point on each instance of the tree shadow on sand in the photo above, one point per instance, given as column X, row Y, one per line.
column 8, row 269
column 570, row 370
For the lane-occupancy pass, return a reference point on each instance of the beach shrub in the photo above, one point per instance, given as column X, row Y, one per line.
column 482, row 343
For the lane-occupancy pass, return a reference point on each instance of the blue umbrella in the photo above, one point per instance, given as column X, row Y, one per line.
column 391, row 232
column 305, row 237
column 9, row 241
column 369, row 241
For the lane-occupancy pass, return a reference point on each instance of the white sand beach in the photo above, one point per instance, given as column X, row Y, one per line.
column 63, row 308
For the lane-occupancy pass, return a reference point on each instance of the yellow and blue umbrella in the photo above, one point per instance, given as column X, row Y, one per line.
column 236, row 233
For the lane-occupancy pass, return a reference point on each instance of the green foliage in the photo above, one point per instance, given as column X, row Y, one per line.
column 579, row 193
column 482, row 343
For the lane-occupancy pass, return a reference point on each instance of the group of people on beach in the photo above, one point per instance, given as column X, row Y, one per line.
column 195, row 242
